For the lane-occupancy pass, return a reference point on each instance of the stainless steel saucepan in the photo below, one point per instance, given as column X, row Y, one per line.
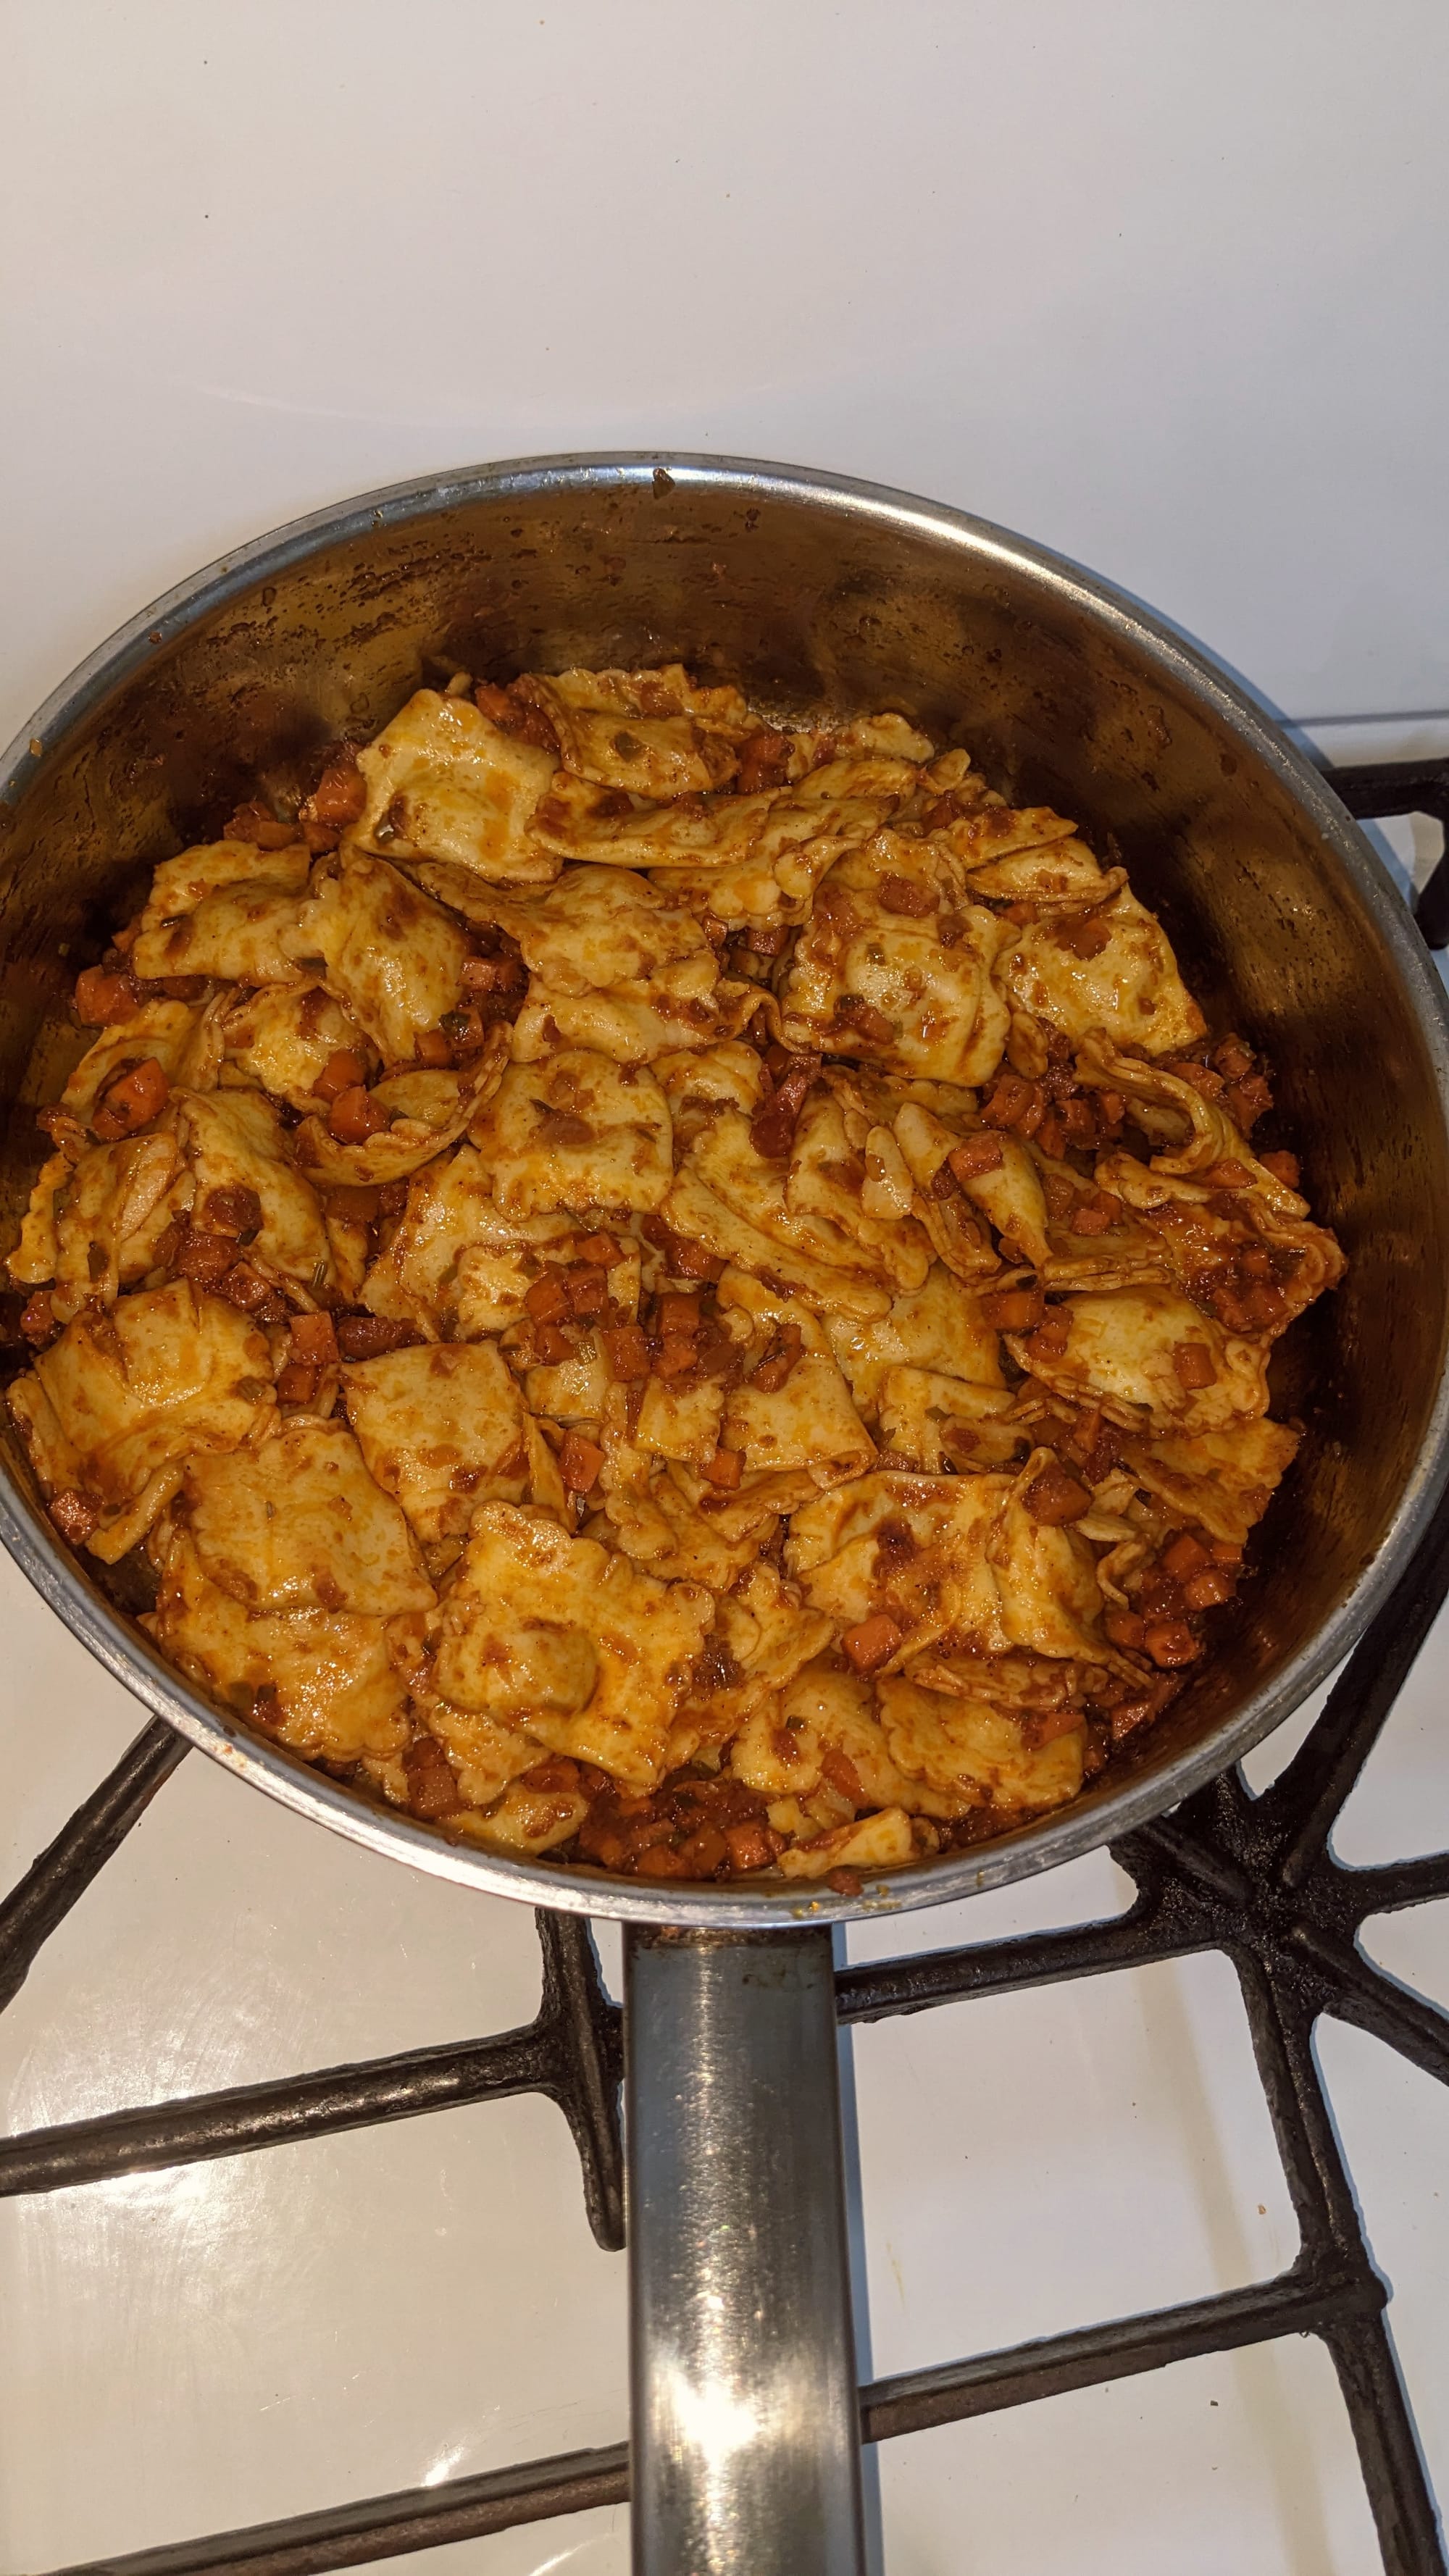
column 818, row 592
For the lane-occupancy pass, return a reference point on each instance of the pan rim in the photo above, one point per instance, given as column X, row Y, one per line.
column 1075, row 1830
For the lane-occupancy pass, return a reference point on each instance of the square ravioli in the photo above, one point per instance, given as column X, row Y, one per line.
column 393, row 957
column 554, row 1634
column 1153, row 1353
column 224, row 909
column 596, row 927
column 280, row 1038
column 1110, row 970
column 129, row 1392
column 767, row 1282
column 299, row 1524
column 234, row 1141
column 894, row 967
column 320, row 1681
column 441, row 1430
column 162, row 1030
column 642, row 733
column 445, row 784
column 577, row 1132
column 108, row 1216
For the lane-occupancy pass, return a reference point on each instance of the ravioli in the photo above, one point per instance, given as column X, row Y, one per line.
column 576, row 1132
column 1123, row 1345
column 322, row 1682
column 909, row 991
column 110, row 1213
column 441, row 1430
column 973, row 1756
column 224, row 909
column 1111, row 969
column 280, row 1037
column 776, row 1383
column 443, row 783
column 234, row 1140
column 128, row 1394
column 937, row 1327
column 299, row 1524
column 539, row 1629
column 392, row 957
column 160, row 1030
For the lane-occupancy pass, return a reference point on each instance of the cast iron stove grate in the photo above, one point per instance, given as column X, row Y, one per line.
column 1252, row 1877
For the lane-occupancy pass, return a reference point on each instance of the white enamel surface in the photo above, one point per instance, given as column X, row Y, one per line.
column 1161, row 287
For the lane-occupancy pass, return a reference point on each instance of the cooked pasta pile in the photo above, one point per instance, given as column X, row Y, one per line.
column 663, row 1288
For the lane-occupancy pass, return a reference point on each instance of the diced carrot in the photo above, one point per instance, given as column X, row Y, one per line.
column 1015, row 1103
column 906, row 895
column 600, row 1249
column 628, row 1353
column 842, row 1774
column 1054, row 1497
column 297, row 1382
column 37, row 1317
column 431, row 1047
column 494, row 974
column 678, row 1314
column 1125, row 1629
column 314, row 1338
column 1013, row 1310
column 75, row 1515
column 102, row 996
column 774, row 1370
column 1185, row 1556
column 1051, row 1338
column 204, row 1258
column 343, row 1071
column 1284, row 1168
column 676, row 1355
column 752, row 1845
column 354, row 1116
column 132, row 1102
column 704, row 1852
column 1227, row 1175
column 587, row 1292
column 255, row 1295
column 723, row 1470
column 1194, row 1365
column 872, row 1642
column 551, row 1345
column 366, row 1337
column 1205, row 1591
column 432, row 1783
column 547, row 1299
column 557, row 1772
column 579, row 1461
column 339, row 795
column 256, row 823
column 764, row 762
column 976, row 1155
column 1171, row 1642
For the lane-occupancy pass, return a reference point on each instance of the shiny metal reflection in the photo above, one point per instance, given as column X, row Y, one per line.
column 746, row 2421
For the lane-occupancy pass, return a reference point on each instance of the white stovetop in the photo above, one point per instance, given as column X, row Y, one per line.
column 1160, row 285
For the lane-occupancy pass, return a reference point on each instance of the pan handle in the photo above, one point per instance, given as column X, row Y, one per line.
column 746, row 2419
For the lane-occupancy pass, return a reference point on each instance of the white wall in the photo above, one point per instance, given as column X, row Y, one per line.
column 1161, row 282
